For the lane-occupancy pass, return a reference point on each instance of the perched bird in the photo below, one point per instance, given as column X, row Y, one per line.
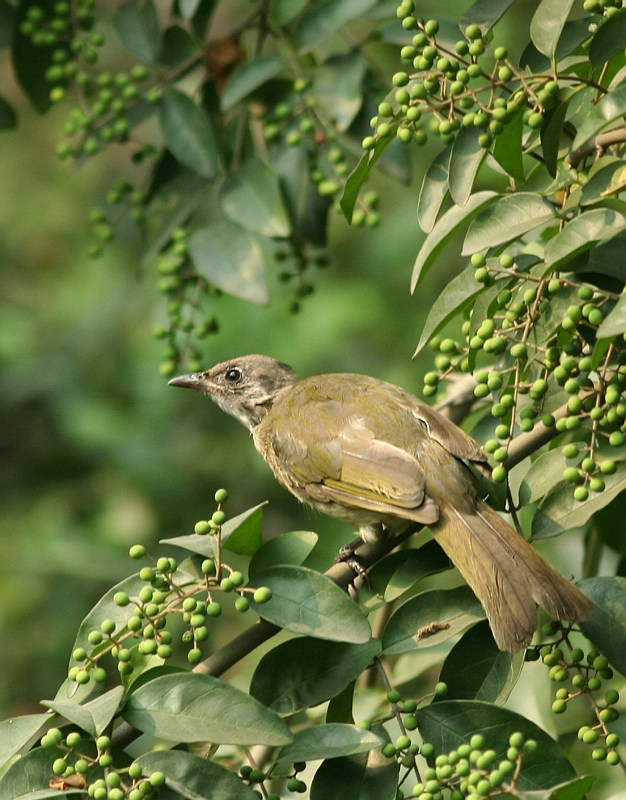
column 372, row 454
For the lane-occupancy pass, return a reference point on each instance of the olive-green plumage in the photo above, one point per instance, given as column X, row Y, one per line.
column 372, row 454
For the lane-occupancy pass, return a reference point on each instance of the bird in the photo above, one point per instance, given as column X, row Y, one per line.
column 372, row 454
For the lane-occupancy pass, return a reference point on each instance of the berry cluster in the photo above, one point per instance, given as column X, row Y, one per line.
column 161, row 597
column 585, row 674
column 540, row 331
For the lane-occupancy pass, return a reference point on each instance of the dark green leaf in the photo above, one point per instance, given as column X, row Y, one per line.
column 189, row 133
column 582, row 233
column 195, row 778
column 614, row 324
column 609, row 39
column 606, row 627
column 507, row 148
column 465, row 160
column 606, row 177
column 433, row 191
column 449, row 723
column 400, row 570
column 360, row 174
column 475, row 669
column 92, row 717
column 510, row 217
column 367, row 776
column 25, row 778
column 574, row 33
column 544, row 473
column 575, row 789
column 325, row 18
column 137, row 25
column 7, row 24
column 248, row 77
column 293, row 547
column 188, row 707
column 8, row 117
column 17, row 733
column 329, row 741
column 338, row 87
column 230, row 258
column 547, row 24
column 240, row 534
column 609, row 109
column 430, row 618
column 551, row 137
column 304, row 601
column 446, row 227
column 303, row 672
column 178, row 46
column 485, row 14
column 251, row 198
column 282, row 12
column 460, row 292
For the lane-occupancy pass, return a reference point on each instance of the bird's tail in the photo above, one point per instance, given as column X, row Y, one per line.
column 507, row 575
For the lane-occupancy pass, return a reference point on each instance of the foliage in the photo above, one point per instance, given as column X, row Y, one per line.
column 244, row 144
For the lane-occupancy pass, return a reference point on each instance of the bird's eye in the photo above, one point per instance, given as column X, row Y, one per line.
column 233, row 375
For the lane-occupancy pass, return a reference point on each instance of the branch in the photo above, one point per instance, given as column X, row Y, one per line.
column 599, row 143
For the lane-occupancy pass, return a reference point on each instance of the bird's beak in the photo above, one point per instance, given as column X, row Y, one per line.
column 191, row 381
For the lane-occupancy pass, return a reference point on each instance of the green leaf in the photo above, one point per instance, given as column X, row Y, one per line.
column 306, row 602
column 195, row 777
column 551, row 136
column 460, row 292
column 251, row 198
column 450, row 610
column 325, row 18
column 137, row 25
column 230, row 258
column 547, row 24
column 338, row 87
column 248, row 77
column 582, row 233
column 485, row 14
column 393, row 575
column 178, row 46
column 609, row 39
column 560, row 512
column 606, row 177
column 282, row 12
column 574, row 33
column 475, row 669
column 240, row 534
column 575, row 789
column 465, row 160
column 446, row 227
column 450, row 723
column 360, row 174
column 188, row 707
column 292, row 547
column 26, row 778
column 543, row 475
column 511, row 216
column 366, row 776
column 433, row 191
column 92, row 717
column 507, row 149
column 188, row 133
column 304, row 672
column 7, row 24
column 17, row 733
column 8, row 117
column 606, row 627
column 329, row 741
column 609, row 109
column 614, row 324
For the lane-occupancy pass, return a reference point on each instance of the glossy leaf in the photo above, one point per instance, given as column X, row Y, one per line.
column 338, row 87
column 485, row 13
column 282, row 12
column 188, row 707
column 325, row 18
column 551, row 137
column 240, row 534
column 614, row 324
column 547, row 24
column 7, row 23
column 608, row 40
column 450, row 723
column 92, row 717
column 25, row 777
column 188, row 133
column 450, row 610
column 575, row 789
column 433, row 191
column 230, row 258
column 366, row 776
column 465, row 160
column 191, row 776
column 248, row 77
column 610, row 108
column 574, row 33
column 511, row 216
column 606, row 627
column 446, row 227
column 293, row 547
column 137, row 25
column 251, row 198
column 360, row 174
column 397, row 572
column 542, row 476
column 16, row 733
column 475, row 669
column 507, row 148
column 582, row 233
column 306, row 602
column 329, row 741
column 606, row 177
column 178, row 46
column 304, row 672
